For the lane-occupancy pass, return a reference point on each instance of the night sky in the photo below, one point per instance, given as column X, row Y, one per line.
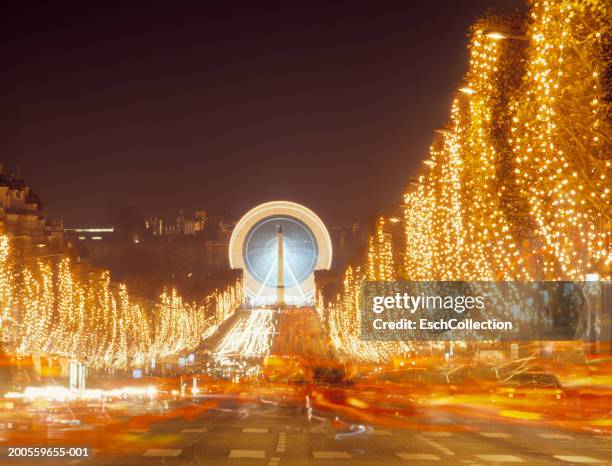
column 224, row 106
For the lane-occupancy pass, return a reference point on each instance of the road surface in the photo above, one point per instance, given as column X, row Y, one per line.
column 267, row 434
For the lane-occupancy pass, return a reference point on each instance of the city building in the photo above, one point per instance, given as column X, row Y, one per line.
column 22, row 213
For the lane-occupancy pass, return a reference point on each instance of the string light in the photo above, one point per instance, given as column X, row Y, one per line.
column 49, row 307
column 517, row 186
column 380, row 254
column 343, row 317
column 557, row 137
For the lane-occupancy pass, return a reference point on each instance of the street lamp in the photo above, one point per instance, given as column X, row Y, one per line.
column 413, row 182
column 467, row 90
column 497, row 35
column 442, row 131
column 592, row 277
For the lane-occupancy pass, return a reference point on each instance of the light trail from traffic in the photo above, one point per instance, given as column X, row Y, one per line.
column 250, row 337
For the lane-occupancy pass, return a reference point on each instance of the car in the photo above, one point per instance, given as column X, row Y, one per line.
column 530, row 386
column 328, row 375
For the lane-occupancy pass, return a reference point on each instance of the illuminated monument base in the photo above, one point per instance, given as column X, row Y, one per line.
column 255, row 335
column 279, row 245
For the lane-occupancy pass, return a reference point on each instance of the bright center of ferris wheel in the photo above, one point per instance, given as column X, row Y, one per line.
column 279, row 245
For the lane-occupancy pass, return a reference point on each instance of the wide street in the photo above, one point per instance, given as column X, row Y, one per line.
column 366, row 233
column 265, row 433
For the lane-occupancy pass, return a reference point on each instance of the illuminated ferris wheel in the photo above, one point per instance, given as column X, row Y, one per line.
column 300, row 251
column 305, row 247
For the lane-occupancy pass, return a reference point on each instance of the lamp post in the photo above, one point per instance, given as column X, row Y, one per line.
column 593, row 308
column 498, row 35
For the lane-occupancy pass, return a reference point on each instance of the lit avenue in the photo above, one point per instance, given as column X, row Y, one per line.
column 239, row 299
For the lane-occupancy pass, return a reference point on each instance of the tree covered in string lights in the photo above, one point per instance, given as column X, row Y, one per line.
column 49, row 306
column 517, row 185
column 381, row 262
column 343, row 316
column 561, row 137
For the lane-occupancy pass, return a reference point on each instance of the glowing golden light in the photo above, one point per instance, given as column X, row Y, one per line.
column 50, row 306
column 518, row 183
column 467, row 90
column 496, row 35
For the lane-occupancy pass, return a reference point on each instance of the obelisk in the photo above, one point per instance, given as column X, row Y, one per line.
column 280, row 282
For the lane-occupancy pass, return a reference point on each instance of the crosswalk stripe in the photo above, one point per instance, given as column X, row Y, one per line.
column 162, row 452
column 495, row 434
column 577, row 459
column 329, row 455
column 255, row 430
column 247, row 454
column 437, row 433
column 418, row 456
column 436, row 445
column 281, row 445
column 501, row 458
column 554, row 436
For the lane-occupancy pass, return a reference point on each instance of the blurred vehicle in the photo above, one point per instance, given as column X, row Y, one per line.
column 413, row 377
column 428, row 382
column 328, row 375
column 466, row 379
column 530, row 387
column 15, row 421
column 59, row 418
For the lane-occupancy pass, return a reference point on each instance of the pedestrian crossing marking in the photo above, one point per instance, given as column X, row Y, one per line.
column 578, row 459
column 162, row 452
column 247, row 454
column 418, row 456
column 495, row 434
column 255, row 430
column 554, row 436
column 501, row 458
column 436, row 445
column 329, row 455
column 281, row 444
